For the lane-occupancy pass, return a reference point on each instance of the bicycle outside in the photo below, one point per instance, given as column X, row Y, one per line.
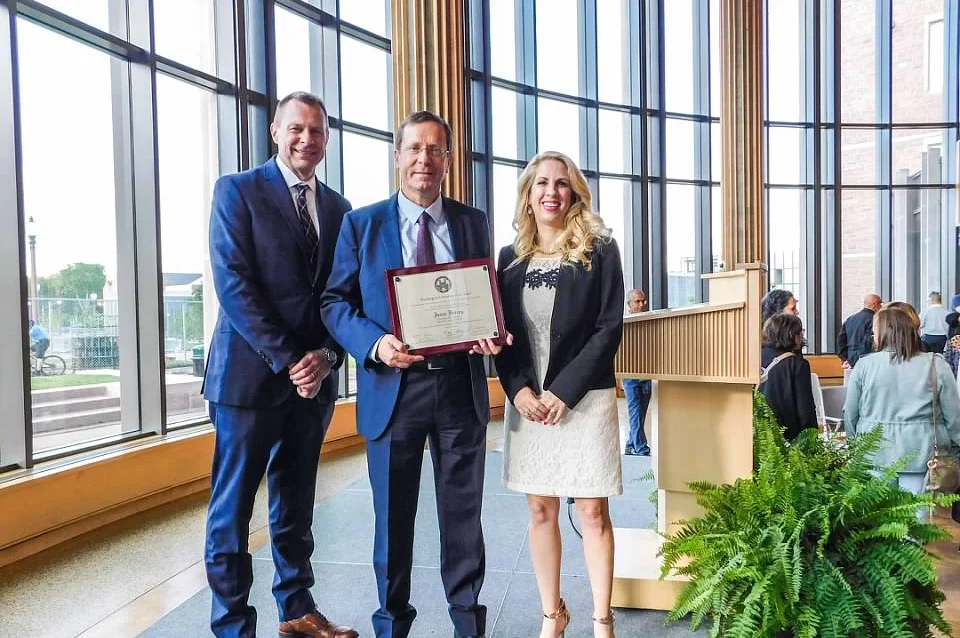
column 51, row 365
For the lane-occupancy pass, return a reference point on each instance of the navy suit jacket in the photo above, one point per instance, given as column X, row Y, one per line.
column 357, row 312
column 269, row 297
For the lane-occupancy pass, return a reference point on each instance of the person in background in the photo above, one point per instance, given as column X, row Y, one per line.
column 933, row 324
column 856, row 335
column 951, row 351
column 777, row 301
column 785, row 377
column 39, row 342
column 638, row 391
column 911, row 312
column 892, row 389
column 954, row 303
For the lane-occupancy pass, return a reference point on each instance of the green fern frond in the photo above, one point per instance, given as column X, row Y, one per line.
column 817, row 541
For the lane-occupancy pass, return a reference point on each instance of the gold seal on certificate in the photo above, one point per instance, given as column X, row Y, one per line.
column 446, row 307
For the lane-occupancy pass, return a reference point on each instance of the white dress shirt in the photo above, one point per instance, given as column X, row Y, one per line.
column 292, row 181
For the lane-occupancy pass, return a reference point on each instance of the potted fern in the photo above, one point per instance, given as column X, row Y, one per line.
column 815, row 544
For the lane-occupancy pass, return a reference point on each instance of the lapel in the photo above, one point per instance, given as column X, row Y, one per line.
column 388, row 218
column 280, row 194
column 458, row 234
column 327, row 217
column 565, row 285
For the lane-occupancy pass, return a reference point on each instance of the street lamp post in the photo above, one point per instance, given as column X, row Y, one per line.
column 35, row 285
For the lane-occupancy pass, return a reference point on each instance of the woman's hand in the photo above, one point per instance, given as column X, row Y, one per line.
column 529, row 405
column 556, row 409
column 489, row 348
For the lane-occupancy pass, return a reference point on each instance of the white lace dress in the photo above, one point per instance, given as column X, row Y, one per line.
column 579, row 457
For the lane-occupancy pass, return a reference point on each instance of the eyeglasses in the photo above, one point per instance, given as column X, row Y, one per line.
column 434, row 152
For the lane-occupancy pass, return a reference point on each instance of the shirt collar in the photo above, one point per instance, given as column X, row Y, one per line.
column 412, row 211
column 292, row 180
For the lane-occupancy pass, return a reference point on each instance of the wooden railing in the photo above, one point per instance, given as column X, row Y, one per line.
column 701, row 343
column 705, row 361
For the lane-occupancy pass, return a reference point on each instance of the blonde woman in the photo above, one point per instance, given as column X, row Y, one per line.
column 561, row 284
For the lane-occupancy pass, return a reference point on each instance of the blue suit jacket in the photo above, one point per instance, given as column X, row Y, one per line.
column 357, row 312
column 269, row 297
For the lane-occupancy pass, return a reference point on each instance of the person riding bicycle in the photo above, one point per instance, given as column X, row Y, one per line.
column 39, row 342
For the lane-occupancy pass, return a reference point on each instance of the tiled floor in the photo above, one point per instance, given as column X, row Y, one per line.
column 143, row 576
column 346, row 589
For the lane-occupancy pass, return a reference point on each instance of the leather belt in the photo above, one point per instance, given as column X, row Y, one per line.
column 440, row 362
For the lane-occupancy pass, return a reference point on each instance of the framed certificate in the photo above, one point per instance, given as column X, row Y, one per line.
column 446, row 308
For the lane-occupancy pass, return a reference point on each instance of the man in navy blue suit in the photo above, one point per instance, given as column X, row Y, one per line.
column 271, row 377
column 404, row 400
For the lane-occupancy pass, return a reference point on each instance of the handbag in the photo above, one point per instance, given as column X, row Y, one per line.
column 943, row 470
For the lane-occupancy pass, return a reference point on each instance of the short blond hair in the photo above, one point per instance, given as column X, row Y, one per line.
column 582, row 227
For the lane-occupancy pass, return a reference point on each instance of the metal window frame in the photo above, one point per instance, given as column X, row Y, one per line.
column 16, row 432
column 245, row 55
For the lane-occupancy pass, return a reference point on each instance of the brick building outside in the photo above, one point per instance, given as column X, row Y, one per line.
column 917, row 97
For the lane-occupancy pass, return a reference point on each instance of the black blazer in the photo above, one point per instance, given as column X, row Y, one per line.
column 585, row 332
column 856, row 336
column 789, row 391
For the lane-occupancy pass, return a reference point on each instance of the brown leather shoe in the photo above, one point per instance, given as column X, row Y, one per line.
column 314, row 625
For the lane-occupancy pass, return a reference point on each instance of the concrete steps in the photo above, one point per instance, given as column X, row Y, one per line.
column 69, row 406
column 76, row 392
column 77, row 407
column 77, row 419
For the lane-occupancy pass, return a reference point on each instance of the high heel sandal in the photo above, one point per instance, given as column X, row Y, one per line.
column 607, row 621
column 561, row 617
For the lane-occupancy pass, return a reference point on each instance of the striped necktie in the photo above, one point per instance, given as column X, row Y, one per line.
column 306, row 224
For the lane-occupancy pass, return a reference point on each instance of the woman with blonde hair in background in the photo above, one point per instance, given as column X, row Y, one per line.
column 561, row 283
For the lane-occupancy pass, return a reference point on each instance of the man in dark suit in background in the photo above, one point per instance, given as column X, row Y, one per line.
column 271, row 377
column 856, row 335
column 402, row 399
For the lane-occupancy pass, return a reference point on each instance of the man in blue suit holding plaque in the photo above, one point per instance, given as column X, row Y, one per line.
column 404, row 399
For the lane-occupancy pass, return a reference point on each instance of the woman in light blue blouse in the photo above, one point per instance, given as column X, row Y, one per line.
column 891, row 388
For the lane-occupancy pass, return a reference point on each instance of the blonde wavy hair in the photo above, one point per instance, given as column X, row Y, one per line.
column 582, row 227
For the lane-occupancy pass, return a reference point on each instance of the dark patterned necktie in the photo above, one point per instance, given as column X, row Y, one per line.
column 424, row 254
column 306, row 224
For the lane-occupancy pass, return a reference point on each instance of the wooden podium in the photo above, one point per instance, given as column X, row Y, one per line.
column 705, row 360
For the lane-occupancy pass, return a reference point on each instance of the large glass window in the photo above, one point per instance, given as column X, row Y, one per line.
column 634, row 122
column 366, row 87
column 117, row 182
column 106, row 15
column 188, row 167
column 76, row 284
column 183, row 31
column 875, row 163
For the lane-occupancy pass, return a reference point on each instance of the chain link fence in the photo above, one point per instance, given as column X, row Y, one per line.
column 85, row 331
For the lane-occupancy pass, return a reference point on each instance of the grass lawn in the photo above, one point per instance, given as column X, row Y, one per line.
column 69, row 380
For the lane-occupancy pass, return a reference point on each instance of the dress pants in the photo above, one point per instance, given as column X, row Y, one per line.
column 934, row 343
column 285, row 443
column 435, row 405
column 638, row 400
